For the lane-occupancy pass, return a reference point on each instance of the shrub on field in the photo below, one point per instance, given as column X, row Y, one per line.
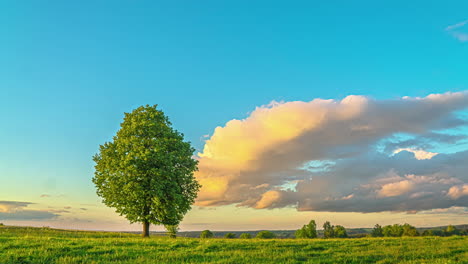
column 245, row 236
column 265, row 234
column 206, row 234
column 340, row 232
column 395, row 230
column 328, row 230
column 451, row 230
column 307, row 231
column 377, row 231
column 1, row 224
column 409, row 230
column 230, row 235
column 172, row 230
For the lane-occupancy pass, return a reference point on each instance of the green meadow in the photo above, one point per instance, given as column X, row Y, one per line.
column 45, row 245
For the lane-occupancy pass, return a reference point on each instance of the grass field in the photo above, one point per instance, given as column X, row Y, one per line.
column 43, row 245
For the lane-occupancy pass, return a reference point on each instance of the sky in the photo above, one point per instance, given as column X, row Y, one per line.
column 352, row 112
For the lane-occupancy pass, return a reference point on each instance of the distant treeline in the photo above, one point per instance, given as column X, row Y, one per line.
column 331, row 231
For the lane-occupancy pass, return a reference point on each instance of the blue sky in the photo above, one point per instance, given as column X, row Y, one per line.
column 68, row 71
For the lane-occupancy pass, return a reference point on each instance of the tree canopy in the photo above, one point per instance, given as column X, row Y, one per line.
column 206, row 234
column 265, row 234
column 307, row 231
column 146, row 171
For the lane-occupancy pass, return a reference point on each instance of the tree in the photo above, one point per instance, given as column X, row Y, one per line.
column 328, row 230
column 340, row 232
column 206, row 234
column 395, row 230
column 377, row 231
column 146, row 171
column 451, row 230
column 265, row 234
column 245, row 236
column 427, row 233
column 230, row 235
column 307, row 231
column 409, row 230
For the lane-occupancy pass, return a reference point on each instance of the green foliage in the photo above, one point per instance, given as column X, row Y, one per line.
column 340, row 232
column 37, row 245
column 1, row 224
column 146, row 171
column 395, row 230
column 172, row 230
column 328, row 230
column 230, row 235
column 377, row 231
column 409, row 230
column 265, row 235
column 245, row 236
column 206, row 234
column 451, row 230
column 428, row 233
column 307, row 231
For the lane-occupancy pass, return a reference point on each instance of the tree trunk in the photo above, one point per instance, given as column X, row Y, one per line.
column 146, row 225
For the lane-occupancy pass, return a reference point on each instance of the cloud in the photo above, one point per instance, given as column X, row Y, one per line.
column 458, row 25
column 456, row 192
column 11, row 206
column 395, row 188
column 455, row 31
column 418, row 153
column 456, row 210
column 12, row 210
column 337, row 155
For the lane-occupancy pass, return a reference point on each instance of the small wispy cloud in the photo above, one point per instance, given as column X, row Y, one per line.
column 455, row 31
column 455, row 26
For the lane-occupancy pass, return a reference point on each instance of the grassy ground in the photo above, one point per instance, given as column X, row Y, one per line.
column 43, row 245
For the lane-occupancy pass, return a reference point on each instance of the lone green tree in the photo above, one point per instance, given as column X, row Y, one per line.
column 146, row 171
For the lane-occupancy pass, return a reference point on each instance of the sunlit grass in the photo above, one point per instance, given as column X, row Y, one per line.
column 39, row 245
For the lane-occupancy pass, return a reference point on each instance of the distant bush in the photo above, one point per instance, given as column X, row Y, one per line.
column 331, row 231
column 340, row 232
column 395, row 230
column 245, row 236
column 307, row 231
column 265, row 234
column 409, row 230
column 377, row 231
column 451, row 230
column 1, row 224
column 206, row 234
column 328, row 230
column 172, row 230
column 230, row 235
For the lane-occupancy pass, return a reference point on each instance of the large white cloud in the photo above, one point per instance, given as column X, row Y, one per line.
column 321, row 155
